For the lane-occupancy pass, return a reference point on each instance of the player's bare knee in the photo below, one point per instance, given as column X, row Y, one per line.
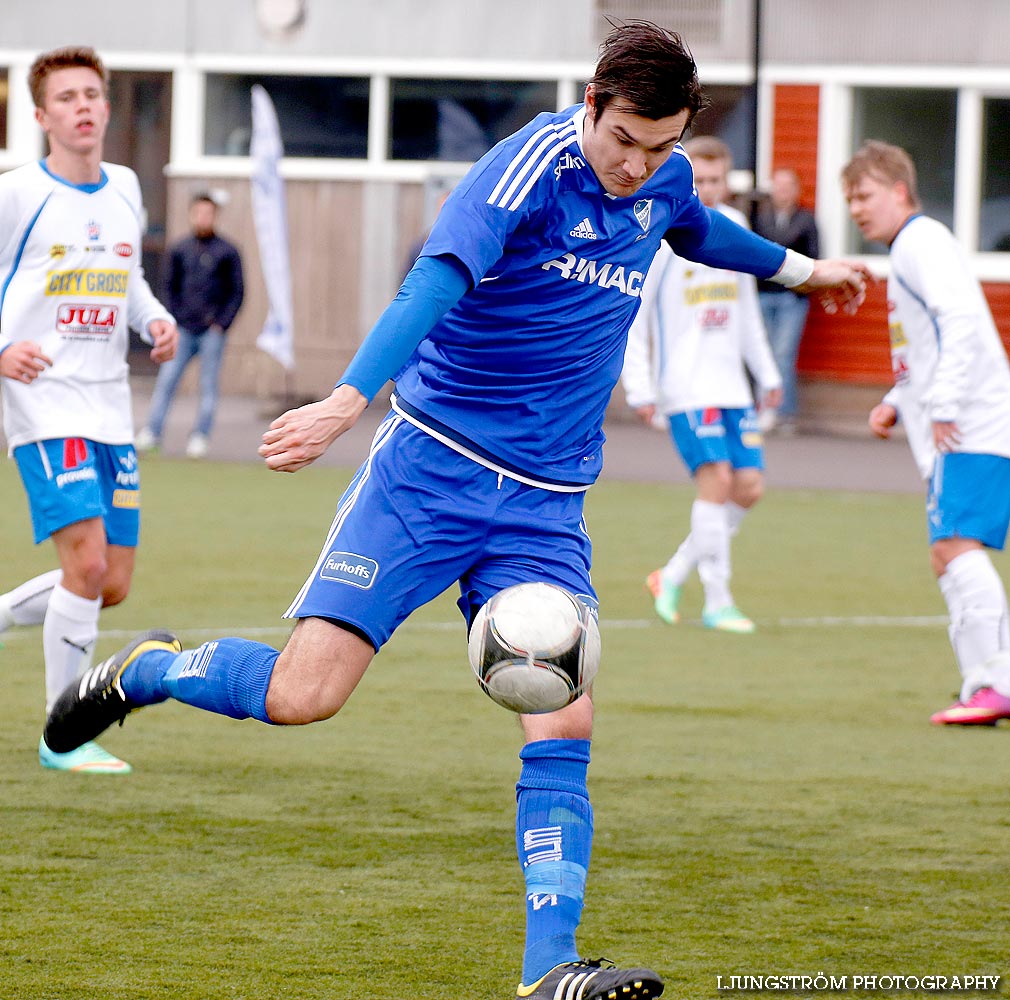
column 748, row 489
column 115, row 592
column 86, row 575
column 316, row 673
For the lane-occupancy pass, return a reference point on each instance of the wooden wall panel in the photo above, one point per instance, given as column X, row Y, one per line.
column 325, row 220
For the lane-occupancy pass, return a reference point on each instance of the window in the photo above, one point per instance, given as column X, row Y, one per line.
column 319, row 116
column 994, row 218
column 923, row 122
column 729, row 116
column 460, row 120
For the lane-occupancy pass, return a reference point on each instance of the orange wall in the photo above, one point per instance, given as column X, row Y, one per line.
column 855, row 349
column 794, row 135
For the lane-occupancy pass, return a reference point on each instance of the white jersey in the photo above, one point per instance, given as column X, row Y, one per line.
column 72, row 281
column 698, row 332
column 948, row 360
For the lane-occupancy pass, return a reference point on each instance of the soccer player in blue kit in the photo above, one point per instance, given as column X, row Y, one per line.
column 505, row 341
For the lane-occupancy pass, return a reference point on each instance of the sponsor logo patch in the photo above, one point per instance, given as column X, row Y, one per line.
column 126, row 498
column 87, row 282
column 349, row 567
column 124, row 249
column 568, row 162
column 86, row 319
column 76, row 476
column 606, row 274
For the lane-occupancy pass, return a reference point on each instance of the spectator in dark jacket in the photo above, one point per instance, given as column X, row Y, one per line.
column 782, row 220
column 204, row 294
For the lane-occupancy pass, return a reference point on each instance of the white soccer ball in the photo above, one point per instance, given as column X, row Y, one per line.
column 534, row 647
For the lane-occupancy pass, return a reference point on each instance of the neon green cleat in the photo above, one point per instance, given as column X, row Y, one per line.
column 728, row 619
column 665, row 595
column 87, row 758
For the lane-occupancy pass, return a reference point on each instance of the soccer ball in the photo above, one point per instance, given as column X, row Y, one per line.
column 534, row 647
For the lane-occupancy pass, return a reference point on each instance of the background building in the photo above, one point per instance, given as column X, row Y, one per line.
column 383, row 105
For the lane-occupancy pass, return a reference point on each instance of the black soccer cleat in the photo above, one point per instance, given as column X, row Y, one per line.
column 95, row 700
column 591, row 979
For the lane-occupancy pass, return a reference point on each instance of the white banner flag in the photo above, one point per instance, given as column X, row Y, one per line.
column 270, row 217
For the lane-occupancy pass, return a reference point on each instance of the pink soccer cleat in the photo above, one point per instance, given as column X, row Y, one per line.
column 984, row 708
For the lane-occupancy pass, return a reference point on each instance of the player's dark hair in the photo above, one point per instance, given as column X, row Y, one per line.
column 203, row 196
column 68, row 57
column 650, row 68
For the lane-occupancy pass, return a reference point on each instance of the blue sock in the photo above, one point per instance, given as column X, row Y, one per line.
column 142, row 680
column 227, row 676
column 554, row 838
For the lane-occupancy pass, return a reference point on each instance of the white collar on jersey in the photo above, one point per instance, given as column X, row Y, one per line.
column 579, row 120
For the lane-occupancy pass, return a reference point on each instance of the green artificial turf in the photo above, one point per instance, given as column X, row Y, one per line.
column 765, row 805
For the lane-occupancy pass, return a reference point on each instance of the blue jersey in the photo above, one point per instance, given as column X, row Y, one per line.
column 519, row 372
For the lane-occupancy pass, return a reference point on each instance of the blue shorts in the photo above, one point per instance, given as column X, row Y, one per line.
column 969, row 497
column 69, row 480
column 716, row 435
column 419, row 517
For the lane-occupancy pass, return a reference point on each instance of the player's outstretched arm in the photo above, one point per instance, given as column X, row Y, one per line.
column 840, row 284
column 23, row 361
column 298, row 437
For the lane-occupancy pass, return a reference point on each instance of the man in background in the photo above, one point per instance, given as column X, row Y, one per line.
column 205, row 293
column 783, row 220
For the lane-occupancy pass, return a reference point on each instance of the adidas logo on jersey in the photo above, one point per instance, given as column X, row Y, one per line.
column 584, row 230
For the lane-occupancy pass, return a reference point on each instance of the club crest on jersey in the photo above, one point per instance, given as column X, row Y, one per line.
column 643, row 212
column 94, row 230
column 568, row 162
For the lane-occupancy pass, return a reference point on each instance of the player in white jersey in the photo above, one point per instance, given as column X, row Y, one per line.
column 952, row 393
column 698, row 333
column 72, row 286
column 506, row 340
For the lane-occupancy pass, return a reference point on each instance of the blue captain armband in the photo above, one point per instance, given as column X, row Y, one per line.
column 432, row 287
column 730, row 246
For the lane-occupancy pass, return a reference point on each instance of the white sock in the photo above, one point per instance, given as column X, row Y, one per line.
column 977, row 603
column 682, row 563
column 710, row 529
column 68, row 639
column 26, row 605
column 734, row 517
